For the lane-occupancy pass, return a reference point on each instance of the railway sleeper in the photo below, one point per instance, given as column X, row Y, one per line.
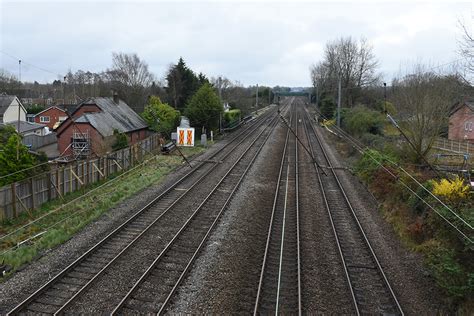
column 161, row 280
column 139, row 306
column 65, row 287
column 50, row 300
column 80, row 275
column 39, row 308
column 59, row 293
column 74, row 281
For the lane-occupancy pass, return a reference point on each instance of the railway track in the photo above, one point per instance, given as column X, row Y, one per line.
column 369, row 287
column 62, row 290
column 279, row 288
column 155, row 288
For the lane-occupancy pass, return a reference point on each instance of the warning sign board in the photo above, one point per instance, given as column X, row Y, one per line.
column 185, row 136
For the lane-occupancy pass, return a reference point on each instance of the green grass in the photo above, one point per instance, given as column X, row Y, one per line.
column 61, row 225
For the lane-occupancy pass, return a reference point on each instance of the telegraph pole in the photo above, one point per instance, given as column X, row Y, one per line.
column 385, row 97
column 19, row 113
column 256, row 98
column 339, row 102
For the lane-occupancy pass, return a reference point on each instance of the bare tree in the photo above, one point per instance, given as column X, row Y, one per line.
column 466, row 48
column 129, row 70
column 423, row 100
column 352, row 62
column 131, row 78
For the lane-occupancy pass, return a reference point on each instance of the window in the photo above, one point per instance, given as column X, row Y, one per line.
column 62, row 118
column 44, row 119
column 468, row 126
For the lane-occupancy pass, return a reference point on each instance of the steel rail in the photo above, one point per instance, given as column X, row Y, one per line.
column 186, row 224
column 300, row 308
column 90, row 282
column 354, row 216
column 183, row 275
column 70, row 267
column 275, row 201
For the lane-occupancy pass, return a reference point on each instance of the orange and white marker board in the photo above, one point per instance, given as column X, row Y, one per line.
column 185, row 136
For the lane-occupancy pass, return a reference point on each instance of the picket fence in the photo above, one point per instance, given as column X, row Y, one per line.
column 455, row 146
column 31, row 193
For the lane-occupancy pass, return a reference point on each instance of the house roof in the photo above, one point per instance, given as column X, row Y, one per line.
column 112, row 116
column 25, row 126
column 456, row 107
column 54, row 106
column 69, row 108
column 5, row 101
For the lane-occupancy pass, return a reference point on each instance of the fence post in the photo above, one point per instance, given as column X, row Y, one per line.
column 70, row 179
column 48, row 178
column 83, row 173
column 13, row 186
column 32, row 190
column 58, row 184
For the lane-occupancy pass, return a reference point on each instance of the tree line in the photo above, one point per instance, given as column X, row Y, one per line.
column 420, row 98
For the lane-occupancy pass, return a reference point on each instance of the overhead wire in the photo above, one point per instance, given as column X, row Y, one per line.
column 363, row 150
column 29, row 64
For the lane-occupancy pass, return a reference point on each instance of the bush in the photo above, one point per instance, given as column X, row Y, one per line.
column 448, row 272
column 370, row 162
column 161, row 117
column 452, row 190
column 361, row 120
column 231, row 117
column 121, row 140
column 374, row 141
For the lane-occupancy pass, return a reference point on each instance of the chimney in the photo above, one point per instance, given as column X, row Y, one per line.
column 115, row 97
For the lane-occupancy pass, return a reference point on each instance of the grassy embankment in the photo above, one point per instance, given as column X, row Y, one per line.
column 59, row 220
column 448, row 256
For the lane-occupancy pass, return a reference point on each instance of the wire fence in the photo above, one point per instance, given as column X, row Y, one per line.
column 31, row 193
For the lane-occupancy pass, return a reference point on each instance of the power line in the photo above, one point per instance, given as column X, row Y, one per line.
column 363, row 150
column 29, row 64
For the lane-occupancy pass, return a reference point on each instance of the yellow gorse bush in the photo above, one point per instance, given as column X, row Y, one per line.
column 450, row 189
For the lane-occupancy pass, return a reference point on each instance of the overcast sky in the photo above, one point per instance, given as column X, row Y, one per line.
column 269, row 43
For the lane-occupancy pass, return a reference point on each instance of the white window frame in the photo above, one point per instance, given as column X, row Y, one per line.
column 44, row 119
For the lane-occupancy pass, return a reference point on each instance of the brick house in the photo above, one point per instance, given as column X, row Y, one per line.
column 461, row 121
column 51, row 117
column 89, row 129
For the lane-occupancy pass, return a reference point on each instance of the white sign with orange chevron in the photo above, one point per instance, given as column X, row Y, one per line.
column 185, row 136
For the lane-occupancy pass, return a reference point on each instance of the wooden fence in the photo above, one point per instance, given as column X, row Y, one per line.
column 31, row 193
column 460, row 147
column 36, row 141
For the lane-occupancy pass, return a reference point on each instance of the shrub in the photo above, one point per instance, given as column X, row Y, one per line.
column 121, row 140
column 231, row 117
column 448, row 272
column 160, row 116
column 370, row 161
column 361, row 120
column 452, row 190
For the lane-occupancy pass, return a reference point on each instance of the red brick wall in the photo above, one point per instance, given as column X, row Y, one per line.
column 457, row 124
column 53, row 114
column 64, row 139
column 137, row 136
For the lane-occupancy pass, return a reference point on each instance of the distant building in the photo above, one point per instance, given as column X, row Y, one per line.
column 9, row 107
column 89, row 129
column 51, row 117
column 461, row 121
column 28, row 128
